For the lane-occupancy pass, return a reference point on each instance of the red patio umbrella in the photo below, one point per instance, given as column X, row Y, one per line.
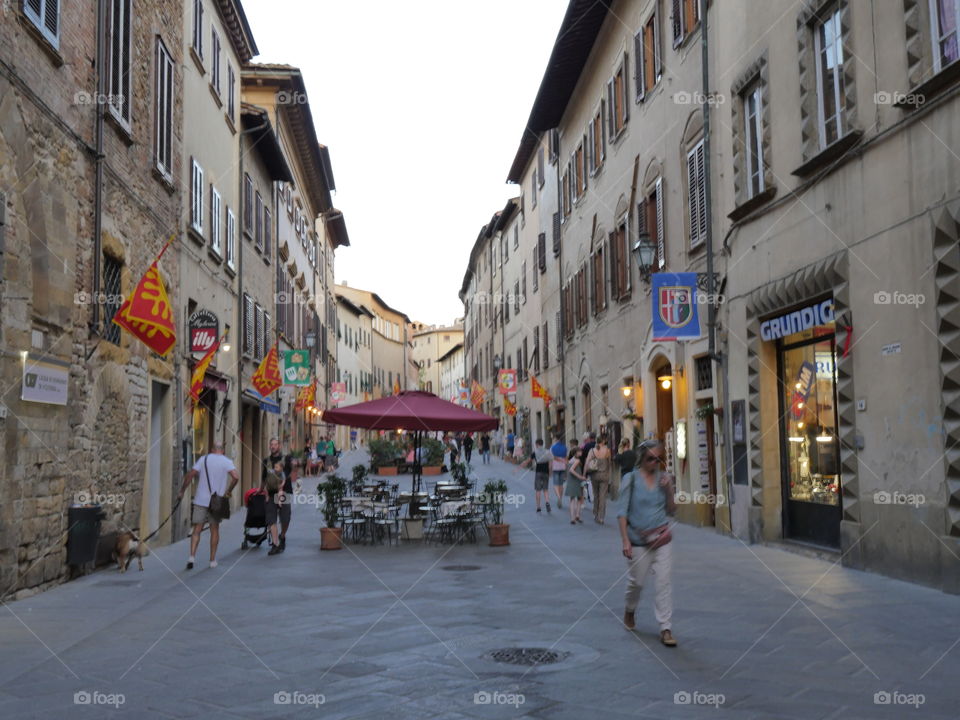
column 412, row 410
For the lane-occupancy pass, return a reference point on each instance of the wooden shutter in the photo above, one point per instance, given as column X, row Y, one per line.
column 676, row 17
column 693, row 195
column 546, row 345
column 542, row 249
column 258, row 333
column 638, row 49
column 701, row 190
column 614, row 265
column 540, row 171
column 611, row 109
column 649, row 53
column 594, row 160
column 690, row 14
column 248, row 329
column 624, row 74
column 661, row 239
column 657, row 53
column 556, row 234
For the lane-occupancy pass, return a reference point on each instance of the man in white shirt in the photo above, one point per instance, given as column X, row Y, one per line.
column 214, row 470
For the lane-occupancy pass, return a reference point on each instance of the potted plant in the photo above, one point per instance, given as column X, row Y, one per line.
column 332, row 491
column 494, row 493
column 458, row 471
column 382, row 456
column 360, row 473
column 432, row 454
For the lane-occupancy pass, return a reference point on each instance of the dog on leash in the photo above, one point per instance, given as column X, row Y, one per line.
column 127, row 546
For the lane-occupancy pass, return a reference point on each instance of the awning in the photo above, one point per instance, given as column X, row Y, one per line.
column 267, row 404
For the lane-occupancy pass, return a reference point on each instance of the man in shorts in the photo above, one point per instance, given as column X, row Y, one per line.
column 540, row 457
column 218, row 475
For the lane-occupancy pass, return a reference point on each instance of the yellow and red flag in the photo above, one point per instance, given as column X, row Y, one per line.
column 146, row 313
column 200, row 369
column 396, row 387
column 267, row 377
column 477, row 394
column 307, row 396
column 537, row 390
column 509, row 407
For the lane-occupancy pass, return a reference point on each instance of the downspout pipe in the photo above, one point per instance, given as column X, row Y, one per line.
column 98, row 166
column 715, row 356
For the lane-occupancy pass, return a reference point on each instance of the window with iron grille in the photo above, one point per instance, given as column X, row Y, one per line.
column 112, row 271
column 704, row 370
column 258, row 227
column 248, row 328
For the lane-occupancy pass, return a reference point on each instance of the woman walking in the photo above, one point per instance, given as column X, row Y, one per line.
column 599, row 461
column 646, row 499
column 574, row 487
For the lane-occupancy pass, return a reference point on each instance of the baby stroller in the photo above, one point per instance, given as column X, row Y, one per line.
column 255, row 524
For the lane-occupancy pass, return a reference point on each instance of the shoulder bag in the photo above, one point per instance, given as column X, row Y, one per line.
column 219, row 504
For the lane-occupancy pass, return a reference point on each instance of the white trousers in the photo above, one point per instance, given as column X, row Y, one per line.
column 658, row 563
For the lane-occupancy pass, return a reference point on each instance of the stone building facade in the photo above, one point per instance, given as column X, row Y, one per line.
column 427, row 345
column 829, row 184
column 77, row 234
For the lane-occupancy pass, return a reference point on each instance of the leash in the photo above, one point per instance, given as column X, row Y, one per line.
column 160, row 526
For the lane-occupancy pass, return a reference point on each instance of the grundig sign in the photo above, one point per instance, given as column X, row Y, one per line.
column 797, row 321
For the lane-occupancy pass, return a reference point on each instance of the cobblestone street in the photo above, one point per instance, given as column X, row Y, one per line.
column 406, row 631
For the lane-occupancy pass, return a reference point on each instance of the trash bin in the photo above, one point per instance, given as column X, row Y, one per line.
column 83, row 532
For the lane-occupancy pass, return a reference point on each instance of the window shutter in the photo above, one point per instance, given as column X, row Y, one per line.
column 623, row 86
column 266, row 231
column 603, row 131
column 638, row 49
column 542, row 249
column 661, row 240
column 556, row 235
column 247, row 324
column 540, row 177
column 593, row 155
column 657, row 59
column 701, row 191
column 611, row 108
column 693, row 195
column 258, row 333
column 677, row 20
column 614, row 265
column 51, row 17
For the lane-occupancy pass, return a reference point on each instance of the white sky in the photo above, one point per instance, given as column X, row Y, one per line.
column 422, row 104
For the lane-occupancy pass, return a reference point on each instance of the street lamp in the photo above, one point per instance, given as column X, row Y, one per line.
column 496, row 363
column 645, row 253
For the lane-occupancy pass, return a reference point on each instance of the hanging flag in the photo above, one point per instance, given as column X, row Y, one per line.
column 267, row 377
column 509, row 407
column 507, row 381
column 396, row 387
column 200, row 369
column 338, row 393
column 477, row 394
column 306, row 396
column 537, row 390
column 464, row 396
column 675, row 306
column 146, row 313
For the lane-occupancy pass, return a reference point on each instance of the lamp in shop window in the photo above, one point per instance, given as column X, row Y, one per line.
column 645, row 253
column 627, row 391
column 665, row 381
column 225, row 346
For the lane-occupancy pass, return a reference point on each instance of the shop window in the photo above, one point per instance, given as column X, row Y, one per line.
column 811, row 448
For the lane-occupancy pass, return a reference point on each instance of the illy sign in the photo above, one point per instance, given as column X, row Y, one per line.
column 204, row 331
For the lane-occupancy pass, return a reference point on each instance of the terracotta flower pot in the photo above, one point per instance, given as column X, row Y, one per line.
column 413, row 529
column 499, row 535
column 330, row 538
column 431, row 469
column 387, row 470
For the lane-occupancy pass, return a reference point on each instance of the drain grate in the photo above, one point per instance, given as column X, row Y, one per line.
column 528, row 656
column 460, row 568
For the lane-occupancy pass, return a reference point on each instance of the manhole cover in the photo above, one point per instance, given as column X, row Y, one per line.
column 460, row 568
column 528, row 656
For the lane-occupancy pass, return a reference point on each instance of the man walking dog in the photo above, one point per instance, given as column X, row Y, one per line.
column 215, row 471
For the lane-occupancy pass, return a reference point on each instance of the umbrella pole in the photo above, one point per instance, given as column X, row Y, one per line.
column 417, row 465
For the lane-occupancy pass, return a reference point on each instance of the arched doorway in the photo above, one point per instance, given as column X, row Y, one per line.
column 663, row 375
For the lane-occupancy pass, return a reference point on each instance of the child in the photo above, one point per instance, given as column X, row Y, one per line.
column 575, row 485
